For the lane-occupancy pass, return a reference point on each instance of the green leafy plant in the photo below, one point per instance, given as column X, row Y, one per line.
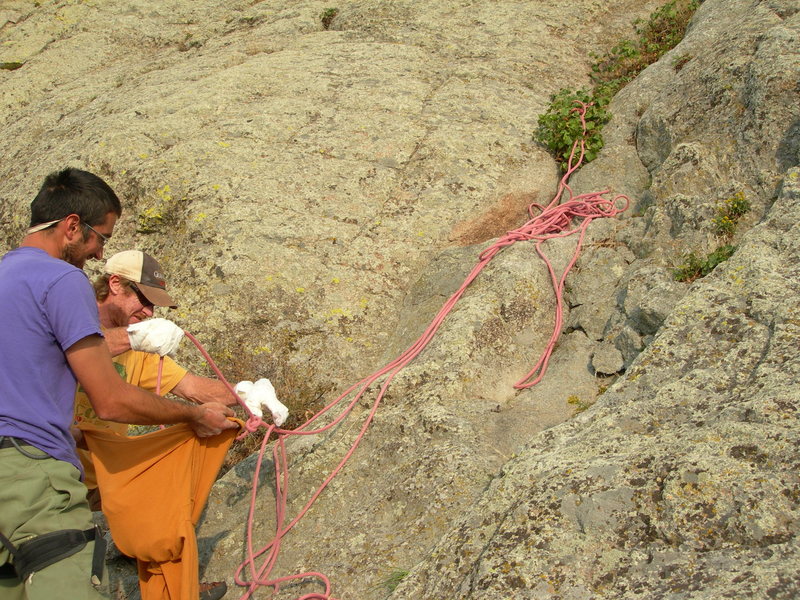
column 656, row 36
column 560, row 126
column 665, row 28
column 694, row 267
column 618, row 67
column 727, row 218
column 327, row 16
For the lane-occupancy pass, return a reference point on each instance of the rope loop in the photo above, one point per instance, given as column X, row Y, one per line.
column 555, row 220
column 252, row 425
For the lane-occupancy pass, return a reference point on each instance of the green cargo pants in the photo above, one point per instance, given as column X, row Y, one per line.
column 37, row 497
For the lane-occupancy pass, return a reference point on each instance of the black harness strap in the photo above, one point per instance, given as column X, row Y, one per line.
column 7, row 570
column 49, row 548
column 98, row 557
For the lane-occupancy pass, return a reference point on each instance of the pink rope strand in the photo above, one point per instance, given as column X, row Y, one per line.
column 555, row 220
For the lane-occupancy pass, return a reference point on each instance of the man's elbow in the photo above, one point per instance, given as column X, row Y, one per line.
column 108, row 407
column 106, row 412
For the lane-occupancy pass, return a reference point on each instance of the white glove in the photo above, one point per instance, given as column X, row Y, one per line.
column 262, row 394
column 158, row 336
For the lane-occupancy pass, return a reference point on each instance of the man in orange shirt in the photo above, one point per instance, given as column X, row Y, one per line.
column 127, row 294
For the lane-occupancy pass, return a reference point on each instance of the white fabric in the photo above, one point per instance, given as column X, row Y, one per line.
column 260, row 395
column 157, row 336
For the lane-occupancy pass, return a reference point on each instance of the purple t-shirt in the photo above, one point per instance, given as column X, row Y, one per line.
column 46, row 305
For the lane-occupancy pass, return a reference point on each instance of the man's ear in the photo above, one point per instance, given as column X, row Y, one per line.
column 72, row 227
column 115, row 284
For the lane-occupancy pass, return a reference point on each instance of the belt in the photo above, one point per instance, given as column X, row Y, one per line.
column 6, row 441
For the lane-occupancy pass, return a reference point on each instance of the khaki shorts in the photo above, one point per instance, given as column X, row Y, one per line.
column 42, row 496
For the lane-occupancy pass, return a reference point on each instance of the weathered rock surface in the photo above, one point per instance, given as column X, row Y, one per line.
column 291, row 176
column 317, row 195
column 681, row 481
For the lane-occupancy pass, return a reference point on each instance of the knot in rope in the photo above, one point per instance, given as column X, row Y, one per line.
column 253, row 423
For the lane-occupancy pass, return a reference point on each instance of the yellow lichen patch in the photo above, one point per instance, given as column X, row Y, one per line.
column 332, row 316
column 164, row 193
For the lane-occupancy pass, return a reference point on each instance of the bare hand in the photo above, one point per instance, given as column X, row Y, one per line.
column 212, row 419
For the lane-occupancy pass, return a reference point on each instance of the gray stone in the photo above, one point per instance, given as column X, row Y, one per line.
column 607, row 359
column 648, row 297
column 316, row 196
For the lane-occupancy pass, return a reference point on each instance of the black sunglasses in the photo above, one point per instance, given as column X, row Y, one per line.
column 142, row 298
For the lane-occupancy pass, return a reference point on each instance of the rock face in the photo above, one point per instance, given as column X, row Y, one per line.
column 680, row 481
column 320, row 192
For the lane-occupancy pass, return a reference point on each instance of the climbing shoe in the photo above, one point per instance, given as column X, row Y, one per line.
column 213, row 591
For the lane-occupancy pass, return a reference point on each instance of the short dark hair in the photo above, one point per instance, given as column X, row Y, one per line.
column 73, row 191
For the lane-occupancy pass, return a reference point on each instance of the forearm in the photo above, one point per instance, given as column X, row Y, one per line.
column 114, row 399
column 117, row 340
column 203, row 389
column 134, row 405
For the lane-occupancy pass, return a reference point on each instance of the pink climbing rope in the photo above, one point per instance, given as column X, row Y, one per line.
column 555, row 220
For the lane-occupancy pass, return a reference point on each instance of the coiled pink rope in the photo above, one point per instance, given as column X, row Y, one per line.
column 555, row 220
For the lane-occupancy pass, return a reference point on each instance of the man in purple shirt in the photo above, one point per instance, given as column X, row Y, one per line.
column 50, row 339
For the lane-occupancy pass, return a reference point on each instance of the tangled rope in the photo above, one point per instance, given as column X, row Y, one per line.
column 555, row 220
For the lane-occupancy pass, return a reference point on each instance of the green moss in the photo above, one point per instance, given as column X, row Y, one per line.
column 327, row 17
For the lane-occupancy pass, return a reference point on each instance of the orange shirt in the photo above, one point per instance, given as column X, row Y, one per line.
column 137, row 368
column 154, row 489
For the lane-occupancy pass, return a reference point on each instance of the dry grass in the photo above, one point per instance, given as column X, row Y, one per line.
column 299, row 388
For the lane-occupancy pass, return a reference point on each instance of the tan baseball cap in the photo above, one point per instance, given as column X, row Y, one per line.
column 145, row 271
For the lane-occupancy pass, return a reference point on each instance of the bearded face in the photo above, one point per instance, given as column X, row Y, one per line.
column 77, row 253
